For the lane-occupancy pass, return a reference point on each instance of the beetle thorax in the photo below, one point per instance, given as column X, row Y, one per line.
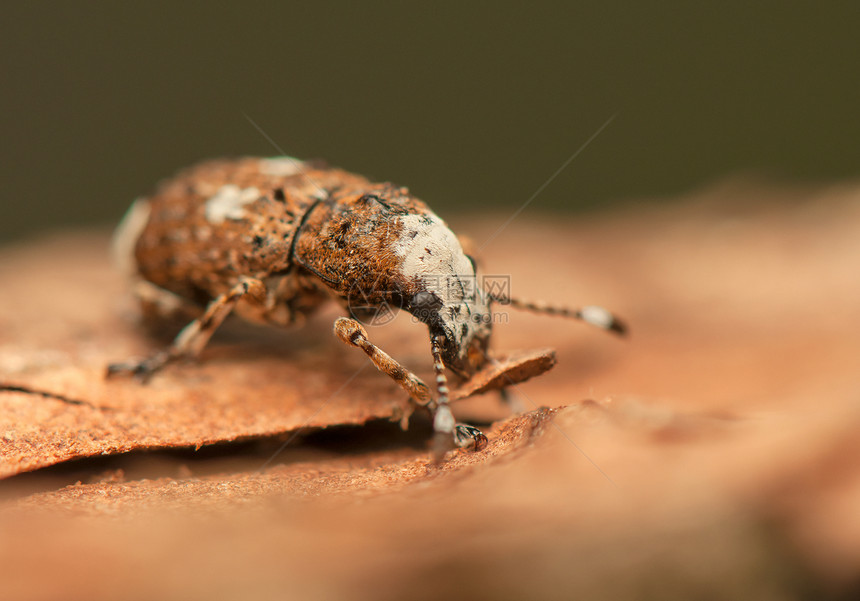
column 431, row 255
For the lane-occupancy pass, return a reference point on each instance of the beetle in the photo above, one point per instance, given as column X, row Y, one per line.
column 272, row 239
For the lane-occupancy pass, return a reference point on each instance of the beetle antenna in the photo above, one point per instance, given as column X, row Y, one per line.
column 596, row 316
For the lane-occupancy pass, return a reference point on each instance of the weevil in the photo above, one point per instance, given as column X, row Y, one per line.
column 272, row 239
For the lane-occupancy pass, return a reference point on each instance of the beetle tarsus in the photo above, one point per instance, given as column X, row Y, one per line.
column 142, row 370
column 465, row 435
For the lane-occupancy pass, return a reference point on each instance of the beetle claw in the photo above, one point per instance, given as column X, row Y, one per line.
column 464, row 435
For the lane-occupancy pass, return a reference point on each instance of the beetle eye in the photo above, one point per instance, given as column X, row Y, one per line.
column 425, row 306
column 426, row 301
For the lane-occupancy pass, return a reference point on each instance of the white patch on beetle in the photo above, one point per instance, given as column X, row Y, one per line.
column 429, row 250
column 444, row 421
column 229, row 203
column 427, row 247
column 127, row 234
column 281, row 166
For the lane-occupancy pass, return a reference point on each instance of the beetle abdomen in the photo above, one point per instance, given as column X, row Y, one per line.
column 224, row 219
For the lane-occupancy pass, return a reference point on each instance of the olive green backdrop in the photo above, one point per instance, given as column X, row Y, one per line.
column 470, row 104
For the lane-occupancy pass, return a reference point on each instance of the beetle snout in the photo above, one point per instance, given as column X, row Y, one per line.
column 476, row 354
column 465, row 349
column 464, row 325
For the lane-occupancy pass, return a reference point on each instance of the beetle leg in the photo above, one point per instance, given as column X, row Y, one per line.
column 353, row 334
column 447, row 431
column 191, row 340
column 466, row 435
column 159, row 305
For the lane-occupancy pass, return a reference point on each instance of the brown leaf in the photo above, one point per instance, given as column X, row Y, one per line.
column 506, row 370
column 66, row 315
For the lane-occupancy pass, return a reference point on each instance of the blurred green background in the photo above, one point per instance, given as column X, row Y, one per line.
column 470, row 104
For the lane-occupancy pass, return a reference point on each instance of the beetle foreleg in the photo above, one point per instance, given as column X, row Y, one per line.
column 447, row 431
column 353, row 334
column 191, row 340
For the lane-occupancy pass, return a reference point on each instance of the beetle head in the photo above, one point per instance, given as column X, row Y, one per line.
column 463, row 326
column 444, row 290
